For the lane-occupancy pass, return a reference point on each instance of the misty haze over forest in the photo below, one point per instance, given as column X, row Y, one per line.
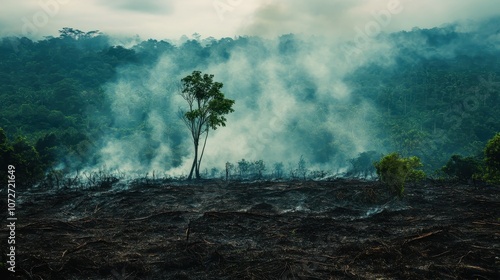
column 91, row 100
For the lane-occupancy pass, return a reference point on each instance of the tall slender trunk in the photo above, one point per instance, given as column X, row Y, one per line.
column 195, row 162
column 197, row 170
column 201, row 156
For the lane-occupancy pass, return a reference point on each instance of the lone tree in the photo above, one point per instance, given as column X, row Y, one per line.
column 207, row 106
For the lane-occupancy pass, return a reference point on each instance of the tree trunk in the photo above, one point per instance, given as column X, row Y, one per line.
column 194, row 167
column 201, row 156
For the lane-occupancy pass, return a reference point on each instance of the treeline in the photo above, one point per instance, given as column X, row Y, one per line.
column 393, row 169
column 257, row 169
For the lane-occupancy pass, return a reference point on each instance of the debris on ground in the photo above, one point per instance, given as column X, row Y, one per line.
column 339, row 229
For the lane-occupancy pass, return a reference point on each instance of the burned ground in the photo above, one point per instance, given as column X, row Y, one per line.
column 341, row 229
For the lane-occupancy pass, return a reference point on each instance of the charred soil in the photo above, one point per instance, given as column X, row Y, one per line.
column 341, row 229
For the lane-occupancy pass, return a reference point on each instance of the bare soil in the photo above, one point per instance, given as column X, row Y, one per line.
column 341, row 229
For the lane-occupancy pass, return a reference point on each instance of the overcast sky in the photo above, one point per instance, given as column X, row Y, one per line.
column 170, row 19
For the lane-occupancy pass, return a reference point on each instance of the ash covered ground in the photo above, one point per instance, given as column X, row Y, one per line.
column 339, row 229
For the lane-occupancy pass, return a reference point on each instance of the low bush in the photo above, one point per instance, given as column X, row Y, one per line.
column 395, row 171
column 462, row 168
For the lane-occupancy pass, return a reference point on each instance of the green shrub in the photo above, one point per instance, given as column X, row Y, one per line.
column 492, row 160
column 395, row 171
column 462, row 168
column 23, row 156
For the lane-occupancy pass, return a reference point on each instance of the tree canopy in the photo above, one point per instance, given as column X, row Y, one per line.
column 207, row 107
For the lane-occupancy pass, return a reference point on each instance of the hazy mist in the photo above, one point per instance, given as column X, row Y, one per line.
column 291, row 100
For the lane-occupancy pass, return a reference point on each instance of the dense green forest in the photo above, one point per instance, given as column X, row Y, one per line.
column 436, row 95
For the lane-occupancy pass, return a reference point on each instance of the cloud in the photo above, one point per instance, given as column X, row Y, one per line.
column 150, row 19
column 145, row 6
column 224, row 18
column 312, row 17
column 339, row 18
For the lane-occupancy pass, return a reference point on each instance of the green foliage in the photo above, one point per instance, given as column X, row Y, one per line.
column 462, row 168
column 207, row 104
column 395, row 171
column 47, row 147
column 6, row 150
column 23, row 156
column 259, row 167
column 207, row 109
column 434, row 107
column 492, row 159
column 408, row 141
column 243, row 167
column 52, row 88
column 251, row 168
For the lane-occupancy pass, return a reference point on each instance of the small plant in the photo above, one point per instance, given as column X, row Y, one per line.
column 258, row 167
column 301, row 168
column 395, row 171
column 243, row 167
column 278, row 170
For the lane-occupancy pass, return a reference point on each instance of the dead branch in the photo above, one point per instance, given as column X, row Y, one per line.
column 423, row 236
